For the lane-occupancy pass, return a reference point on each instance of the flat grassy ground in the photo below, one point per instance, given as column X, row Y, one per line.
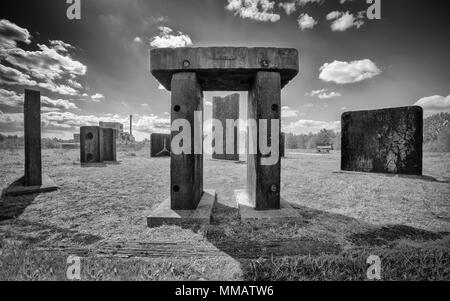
column 99, row 214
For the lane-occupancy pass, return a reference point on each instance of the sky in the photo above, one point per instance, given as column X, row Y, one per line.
column 97, row 68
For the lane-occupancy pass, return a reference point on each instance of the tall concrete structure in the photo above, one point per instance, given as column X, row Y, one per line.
column 131, row 125
column 383, row 141
column 227, row 108
column 109, row 144
column 33, row 181
column 187, row 72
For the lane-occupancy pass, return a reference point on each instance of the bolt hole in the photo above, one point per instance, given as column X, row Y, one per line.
column 89, row 136
column 274, row 188
column 186, row 63
column 275, row 107
column 176, row 188
column 90, row 157
column 177, row 108
column 264, row 63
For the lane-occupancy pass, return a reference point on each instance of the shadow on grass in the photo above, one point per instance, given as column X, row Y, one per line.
column 411, row 177
column 12, row 207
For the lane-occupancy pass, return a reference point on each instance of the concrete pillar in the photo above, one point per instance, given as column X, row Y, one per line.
column 282, row 145
column 32, row 128
column 264, row 102
column 109, row 144
column 223, row 109
column 186, row 170
column 91, row 144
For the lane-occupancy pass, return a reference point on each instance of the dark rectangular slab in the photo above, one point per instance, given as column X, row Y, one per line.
column 32, row 129
column 160, row 145
column 383, row 141
column 227, row 108
column 223, row 68
column 91, row 144
column 109, row 144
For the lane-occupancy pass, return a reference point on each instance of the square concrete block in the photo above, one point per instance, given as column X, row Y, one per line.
column 249, row 213
column 109, row 145
column 164, row 215
column 18, row 188
column 383, row 141
column 160, row 145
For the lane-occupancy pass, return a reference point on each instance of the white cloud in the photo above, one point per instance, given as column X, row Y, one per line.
column 323, row 94
column 306, row 22
column 287, row 112
column 13, row 99
column 11, row 76
column 137, row 40
column 348, row 72
column 167, row 38
column 311, row 126
column 343, row 21
column 97, row 97
column 49, row 67
column 11, row 33
column 289, row 7
column 304, row 2
column 434, row 104
column 258, row 10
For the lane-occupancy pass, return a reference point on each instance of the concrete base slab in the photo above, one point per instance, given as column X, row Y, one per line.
column 17, row 188
column 248, row 213
column 164, row 215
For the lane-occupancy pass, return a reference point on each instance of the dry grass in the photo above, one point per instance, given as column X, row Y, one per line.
column 342, row 214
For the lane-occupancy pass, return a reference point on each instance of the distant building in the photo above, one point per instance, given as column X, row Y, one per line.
column 76, row 138
column 113, row 125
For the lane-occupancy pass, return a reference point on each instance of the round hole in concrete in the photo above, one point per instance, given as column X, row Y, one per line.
column 176, row 188
column 274, row 188
column 186, row 63
column 90, row 157
column 264, row 63
column 177, row 108
column 89, row 136
column 274, row 107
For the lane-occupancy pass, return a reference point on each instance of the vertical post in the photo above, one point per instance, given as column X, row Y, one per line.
column 186, row 170
column 264, row 102
column 225, row 108
column 32, row 129
column 282, row 145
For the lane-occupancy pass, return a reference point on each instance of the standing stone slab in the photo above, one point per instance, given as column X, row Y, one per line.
column 383, row 141
column 186, row 170
column 32, row 127
column 33, row 181
column 227, row 108
column 160, row 145
column 263, row 181
column 91, row 144
column 109, row 144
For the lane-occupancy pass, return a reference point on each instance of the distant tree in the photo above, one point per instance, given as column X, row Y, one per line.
column 435, row 132
column 443, row 140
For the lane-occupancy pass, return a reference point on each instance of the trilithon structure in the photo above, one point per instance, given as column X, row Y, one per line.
column 187, row 72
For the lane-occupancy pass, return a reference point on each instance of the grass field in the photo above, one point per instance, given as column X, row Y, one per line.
column 99, row 214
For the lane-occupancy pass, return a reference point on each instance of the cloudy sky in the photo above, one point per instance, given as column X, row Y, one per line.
column 97, row 68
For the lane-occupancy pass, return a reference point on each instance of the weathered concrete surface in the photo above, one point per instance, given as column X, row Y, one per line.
column 18, row 188
column 282, row 145
column 383, row 141
column 109, row 145
column 264, row 102
column 160, row 145
column 186, row 170
column 226, row 108
column 223, row 68
column 248, row 213
column 91, row 144
column 165, row 215
column 32, row 128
